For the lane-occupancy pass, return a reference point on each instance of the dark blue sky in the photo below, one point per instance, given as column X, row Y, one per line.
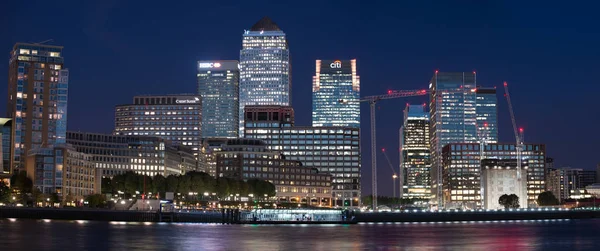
column 547, row 52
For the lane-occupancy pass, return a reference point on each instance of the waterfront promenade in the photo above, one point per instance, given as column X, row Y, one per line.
column 232, row 217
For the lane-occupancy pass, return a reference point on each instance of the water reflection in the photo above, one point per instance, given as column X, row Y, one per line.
column 500, row 235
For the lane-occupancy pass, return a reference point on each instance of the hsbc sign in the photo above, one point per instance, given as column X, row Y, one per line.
column 336, row 64
column 209, row 65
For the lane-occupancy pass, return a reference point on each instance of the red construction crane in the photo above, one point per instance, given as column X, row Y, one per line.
column 372, row 100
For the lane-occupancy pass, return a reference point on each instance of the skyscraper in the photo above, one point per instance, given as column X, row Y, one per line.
column 336, row 80
column 218, row 84
column 37, row 99
column 415, row 156
column 487, row 114
column 176, row 118
column 454, row 118
column 265, row 77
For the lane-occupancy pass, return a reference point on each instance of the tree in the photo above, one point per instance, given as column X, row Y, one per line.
column 184, row 184
column 131, row 183
column 36, row 196
column 95, row 200
column 547, row 199
column 107, row 185
column 118, row 183
column 160, row 184
column 509, row 201
column 172, row 182
column 197, row 183
column 4, row 192
column 222, row 187
column 21, row 182
column 54, row 198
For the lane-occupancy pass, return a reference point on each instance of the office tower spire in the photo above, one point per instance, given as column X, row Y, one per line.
column 265, row 24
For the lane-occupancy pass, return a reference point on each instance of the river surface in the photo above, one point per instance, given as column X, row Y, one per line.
column 21, row 234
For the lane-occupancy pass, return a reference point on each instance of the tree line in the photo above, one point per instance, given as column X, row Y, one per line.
column 197, row 183
column 392, row 202
column 23, row 192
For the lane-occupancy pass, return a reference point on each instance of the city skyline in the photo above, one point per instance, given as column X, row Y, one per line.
column 529, row 114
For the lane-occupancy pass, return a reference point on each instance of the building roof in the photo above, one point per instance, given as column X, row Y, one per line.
column 265, row 24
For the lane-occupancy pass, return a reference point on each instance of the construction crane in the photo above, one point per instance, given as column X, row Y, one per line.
column 518, row 136
column 372, row 100
column 395, row 175
column 483, row 135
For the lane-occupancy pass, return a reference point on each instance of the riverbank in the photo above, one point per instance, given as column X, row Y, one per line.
column 229, row 217
column 476, row 216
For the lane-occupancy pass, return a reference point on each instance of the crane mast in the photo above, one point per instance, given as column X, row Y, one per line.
column 394, row 176
column 372, row 100
column 517, row 132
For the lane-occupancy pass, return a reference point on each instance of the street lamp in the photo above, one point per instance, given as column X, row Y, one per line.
column 394, row 177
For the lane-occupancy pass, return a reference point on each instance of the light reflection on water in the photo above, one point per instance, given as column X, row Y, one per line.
column 17, row 234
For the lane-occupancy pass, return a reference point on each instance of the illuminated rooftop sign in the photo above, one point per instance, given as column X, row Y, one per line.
column 209, row 65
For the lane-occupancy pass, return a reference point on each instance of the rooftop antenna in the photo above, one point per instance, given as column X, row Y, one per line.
column 45, row 41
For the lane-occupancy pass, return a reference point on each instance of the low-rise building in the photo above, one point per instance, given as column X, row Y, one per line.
column 62, row 170
column 594, row 189
column 500, row 177
column 207, row 160
column 563, row 181
column 250, row 159
column 117, row 154
column 6, row 149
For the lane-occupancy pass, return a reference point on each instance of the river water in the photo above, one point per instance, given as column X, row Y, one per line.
column 21, row 234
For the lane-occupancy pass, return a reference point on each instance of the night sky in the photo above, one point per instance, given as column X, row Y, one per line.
column 547, row 52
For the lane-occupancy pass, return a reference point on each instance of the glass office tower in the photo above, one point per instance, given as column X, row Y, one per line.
column 415, row 156
column 264, row 68
column 336, row 80
column 454, row 118
column 487, row 114
column 37, row 98
column 218, row 84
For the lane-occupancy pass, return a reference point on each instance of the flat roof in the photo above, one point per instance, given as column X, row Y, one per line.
column 42, row 45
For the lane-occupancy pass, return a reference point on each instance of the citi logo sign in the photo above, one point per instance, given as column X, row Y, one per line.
column 336, row 64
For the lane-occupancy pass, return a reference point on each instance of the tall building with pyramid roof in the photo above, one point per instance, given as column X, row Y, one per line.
column 265, row 77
